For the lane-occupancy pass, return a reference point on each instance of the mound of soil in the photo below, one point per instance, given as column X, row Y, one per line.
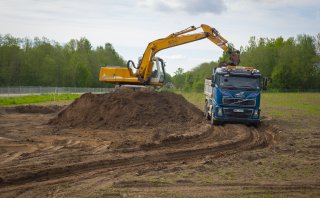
column 33, row 109
column 128, row 109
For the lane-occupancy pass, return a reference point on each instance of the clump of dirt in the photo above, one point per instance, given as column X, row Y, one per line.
column 33, row 109
column 128, row 109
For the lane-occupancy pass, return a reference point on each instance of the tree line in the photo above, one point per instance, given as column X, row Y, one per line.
column 292, row 63
column 35, row 62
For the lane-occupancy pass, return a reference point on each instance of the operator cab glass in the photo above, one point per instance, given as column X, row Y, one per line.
column 154, row 72
column 161, row 72
column 158, row 72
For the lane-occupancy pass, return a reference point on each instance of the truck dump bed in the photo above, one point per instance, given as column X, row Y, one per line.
column 208, row 88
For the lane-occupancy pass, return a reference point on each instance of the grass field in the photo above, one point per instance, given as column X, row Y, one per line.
column 36, row 99
column 276, row 104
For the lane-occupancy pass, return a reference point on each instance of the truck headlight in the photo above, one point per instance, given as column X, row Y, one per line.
column 256, row 114
column 220, row 111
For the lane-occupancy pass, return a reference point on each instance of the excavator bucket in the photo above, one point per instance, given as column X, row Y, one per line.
column 235, row 57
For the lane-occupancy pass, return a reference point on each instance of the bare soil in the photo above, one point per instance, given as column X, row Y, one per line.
column 129, row 109
column 101, row 146
column 32, row 109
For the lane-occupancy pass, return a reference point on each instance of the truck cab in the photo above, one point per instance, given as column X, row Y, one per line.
column 233, row 95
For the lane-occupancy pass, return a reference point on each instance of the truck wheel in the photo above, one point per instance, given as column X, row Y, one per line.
column 205, row 111
column 256, row 124
column 212, row 120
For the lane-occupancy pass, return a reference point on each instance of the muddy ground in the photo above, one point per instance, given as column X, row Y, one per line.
column 44, row 156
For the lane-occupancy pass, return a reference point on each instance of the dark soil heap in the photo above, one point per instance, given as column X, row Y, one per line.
column 33, row 109
column 128, row 109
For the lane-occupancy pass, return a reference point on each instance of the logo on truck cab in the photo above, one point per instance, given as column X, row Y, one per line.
column 240, row 95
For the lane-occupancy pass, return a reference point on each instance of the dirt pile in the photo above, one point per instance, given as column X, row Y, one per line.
column 128, row 109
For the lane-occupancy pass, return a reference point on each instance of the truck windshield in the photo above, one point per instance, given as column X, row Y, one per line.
column 237, row 82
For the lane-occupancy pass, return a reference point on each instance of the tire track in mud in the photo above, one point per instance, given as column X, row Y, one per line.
column 284, row 186
column 235, row 141
column 253, row 188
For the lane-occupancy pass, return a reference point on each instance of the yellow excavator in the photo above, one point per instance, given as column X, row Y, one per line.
column 150, row 70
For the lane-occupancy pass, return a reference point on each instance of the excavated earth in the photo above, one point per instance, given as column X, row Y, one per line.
column 129, row 109
column 122, row 140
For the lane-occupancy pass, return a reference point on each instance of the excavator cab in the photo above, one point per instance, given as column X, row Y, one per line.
column 158, row 71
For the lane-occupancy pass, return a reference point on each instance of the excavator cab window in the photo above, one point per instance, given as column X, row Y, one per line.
column 162, row 71
column 154, row 72
column 158, row 70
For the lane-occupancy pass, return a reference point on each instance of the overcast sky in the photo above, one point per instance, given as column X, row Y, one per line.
column 130, row 25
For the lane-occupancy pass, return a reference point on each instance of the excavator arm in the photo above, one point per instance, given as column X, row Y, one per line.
column 145, row 66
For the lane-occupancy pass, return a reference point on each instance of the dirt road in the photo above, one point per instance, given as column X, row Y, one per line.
column 43, row 160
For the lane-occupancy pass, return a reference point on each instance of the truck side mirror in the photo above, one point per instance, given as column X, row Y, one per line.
column 264, row 83
column 212, row 81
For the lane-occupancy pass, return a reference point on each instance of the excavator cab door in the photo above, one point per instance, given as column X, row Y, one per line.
column 158, row 72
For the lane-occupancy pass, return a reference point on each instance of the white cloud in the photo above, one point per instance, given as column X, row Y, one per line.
column 187, row 6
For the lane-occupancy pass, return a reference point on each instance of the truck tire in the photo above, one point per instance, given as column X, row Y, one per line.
column 213, row 121
column 256, row 124
column 206, row 111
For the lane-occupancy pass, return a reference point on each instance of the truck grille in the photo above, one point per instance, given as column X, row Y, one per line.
column 231, row 114
column 238, row 102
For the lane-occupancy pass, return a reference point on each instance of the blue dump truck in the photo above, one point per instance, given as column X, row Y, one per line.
column 233, row 95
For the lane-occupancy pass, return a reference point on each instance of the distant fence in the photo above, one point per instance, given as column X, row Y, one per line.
column 33, row 90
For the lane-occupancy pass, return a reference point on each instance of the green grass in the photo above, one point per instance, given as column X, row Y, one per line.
column 281, row 103
column 275, row 104
column 193, row 97
column 36, row 99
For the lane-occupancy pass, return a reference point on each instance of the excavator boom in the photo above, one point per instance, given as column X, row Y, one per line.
column 144, row 73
